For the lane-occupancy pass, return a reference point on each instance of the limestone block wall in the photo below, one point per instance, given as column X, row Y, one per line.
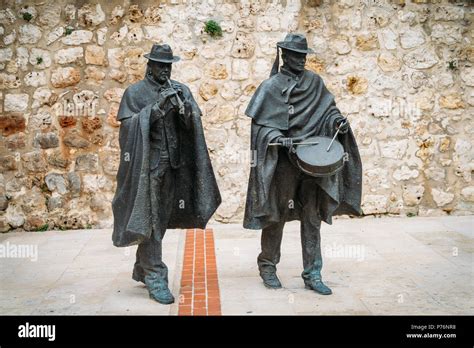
column 401, row 71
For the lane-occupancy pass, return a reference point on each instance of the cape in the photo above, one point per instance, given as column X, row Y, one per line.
column 196, row 193
column 298, row 107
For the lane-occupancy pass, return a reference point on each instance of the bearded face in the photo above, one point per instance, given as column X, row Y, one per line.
column 160, row 71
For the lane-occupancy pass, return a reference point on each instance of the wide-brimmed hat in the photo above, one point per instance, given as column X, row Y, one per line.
column 162, row 53
column 292, row 42
column 295, row 42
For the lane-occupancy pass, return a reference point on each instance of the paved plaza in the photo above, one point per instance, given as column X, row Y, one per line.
column 386, row 265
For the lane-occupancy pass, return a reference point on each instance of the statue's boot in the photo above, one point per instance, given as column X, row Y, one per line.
column 158, row 289
column 318, row 286
column 270, row 280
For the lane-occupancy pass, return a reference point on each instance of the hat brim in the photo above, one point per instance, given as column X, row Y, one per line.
column 283, row 44
column 174, row 60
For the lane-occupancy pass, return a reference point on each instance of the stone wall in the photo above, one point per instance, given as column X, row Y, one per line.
column 402, row 72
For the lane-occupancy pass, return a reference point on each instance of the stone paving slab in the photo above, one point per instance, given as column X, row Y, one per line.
column 390, row 266
column 373, row 265
column 80, row 272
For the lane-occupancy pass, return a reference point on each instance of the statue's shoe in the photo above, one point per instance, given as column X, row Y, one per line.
column 270, row 280
column 163, row 296
column 158, row 289
column 318, row 286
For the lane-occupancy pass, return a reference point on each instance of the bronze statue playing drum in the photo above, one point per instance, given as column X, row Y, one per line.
column 308, row 166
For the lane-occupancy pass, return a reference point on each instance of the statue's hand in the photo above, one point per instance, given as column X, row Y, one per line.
column 178, row 89
column 158, row 108
column 286, row 142
column 343, row 123
column 164, row 96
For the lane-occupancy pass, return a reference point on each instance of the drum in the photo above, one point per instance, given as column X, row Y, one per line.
column 319, row 156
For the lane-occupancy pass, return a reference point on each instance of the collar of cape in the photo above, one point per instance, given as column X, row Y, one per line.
column 271, row 104
column 288, row 72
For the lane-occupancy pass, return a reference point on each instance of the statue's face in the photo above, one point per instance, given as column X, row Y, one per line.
column 160, row 71
column 294, row 60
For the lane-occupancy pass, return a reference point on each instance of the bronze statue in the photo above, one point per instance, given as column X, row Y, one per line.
column 294, row 109
column 165, row 178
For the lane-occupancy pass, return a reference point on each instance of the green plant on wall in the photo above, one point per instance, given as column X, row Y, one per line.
column 68, row 31
column 39, row 60
column 452, row 65
column 42, row 228
column 27, row 16
column 213, row 28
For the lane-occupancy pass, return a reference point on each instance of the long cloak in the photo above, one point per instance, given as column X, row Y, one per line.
column 314, row 114
column 196, row 192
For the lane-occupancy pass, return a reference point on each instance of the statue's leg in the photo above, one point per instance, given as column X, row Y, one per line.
column 271, row 247
column 270, row 254
column 150, row 251
column 138, row 271
column 162, row 205
column 311, row 245
column 311, row 240
column 282, row 193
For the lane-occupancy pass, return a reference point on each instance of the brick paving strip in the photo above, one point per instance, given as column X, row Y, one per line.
column 199, row 293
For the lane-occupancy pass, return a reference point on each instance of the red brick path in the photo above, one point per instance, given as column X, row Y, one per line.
column 199, row 294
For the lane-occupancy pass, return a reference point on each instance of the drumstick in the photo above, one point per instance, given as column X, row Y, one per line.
column 311, row 143
column 335, row 135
